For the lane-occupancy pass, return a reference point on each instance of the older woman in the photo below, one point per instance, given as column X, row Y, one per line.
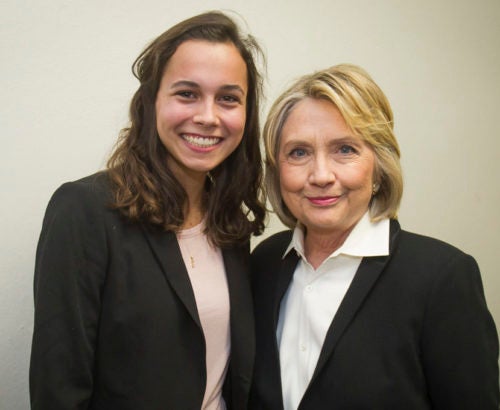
column 352, row 311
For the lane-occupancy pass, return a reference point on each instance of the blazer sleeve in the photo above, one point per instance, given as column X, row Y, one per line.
column 460, row 342
column 69, row 274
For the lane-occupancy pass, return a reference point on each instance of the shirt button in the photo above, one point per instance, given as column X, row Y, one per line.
column 302, row 348
column 308, row 288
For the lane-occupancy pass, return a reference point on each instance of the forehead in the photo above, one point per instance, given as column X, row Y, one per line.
column 205, row 61
column 312, row 118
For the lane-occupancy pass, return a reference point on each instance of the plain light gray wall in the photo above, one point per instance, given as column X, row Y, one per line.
column 66, row 83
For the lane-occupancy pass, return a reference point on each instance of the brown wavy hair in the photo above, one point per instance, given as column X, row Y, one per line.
column 144, row 188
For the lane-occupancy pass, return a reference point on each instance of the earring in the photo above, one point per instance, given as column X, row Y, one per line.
column 375, row 188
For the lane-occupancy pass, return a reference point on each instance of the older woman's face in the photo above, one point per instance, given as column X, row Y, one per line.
column 326, row 172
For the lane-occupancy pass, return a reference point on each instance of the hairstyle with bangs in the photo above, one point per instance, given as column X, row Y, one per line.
column 144, row 188
column 367, row 113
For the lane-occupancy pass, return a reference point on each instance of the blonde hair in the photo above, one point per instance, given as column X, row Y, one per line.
column 367, row 113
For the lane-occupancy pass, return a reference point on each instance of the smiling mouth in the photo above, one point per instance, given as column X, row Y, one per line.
column 201, row 141
column 324, row 200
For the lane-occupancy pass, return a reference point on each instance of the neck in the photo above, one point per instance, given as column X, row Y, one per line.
column 193, row 183
column 192, row 218
column 194, row 209
column 318, row 245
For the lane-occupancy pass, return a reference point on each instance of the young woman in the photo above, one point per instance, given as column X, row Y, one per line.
column 142, row 296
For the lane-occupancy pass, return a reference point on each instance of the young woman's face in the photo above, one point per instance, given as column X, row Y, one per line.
column 326, row 172
column 201, row 106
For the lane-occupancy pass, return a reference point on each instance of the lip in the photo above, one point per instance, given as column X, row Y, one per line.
column 201, row 143
column 323, row 200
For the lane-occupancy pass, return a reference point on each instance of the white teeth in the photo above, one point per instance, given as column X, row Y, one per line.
column 201, row 141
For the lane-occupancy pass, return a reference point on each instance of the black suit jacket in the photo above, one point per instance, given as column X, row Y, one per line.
column 412, row 332
column 116, row 323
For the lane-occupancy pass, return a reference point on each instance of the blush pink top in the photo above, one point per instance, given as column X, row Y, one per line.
column 205, row 267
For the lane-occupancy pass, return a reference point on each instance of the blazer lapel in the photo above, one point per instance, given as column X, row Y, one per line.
column 236, row 263
column 168, row 254
column 364, row 280
column 283, row 282
column 283, row 278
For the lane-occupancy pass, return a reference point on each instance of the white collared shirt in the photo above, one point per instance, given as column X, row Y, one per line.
column 313, row 298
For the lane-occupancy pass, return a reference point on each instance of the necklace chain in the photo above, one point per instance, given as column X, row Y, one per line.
column 186, row 249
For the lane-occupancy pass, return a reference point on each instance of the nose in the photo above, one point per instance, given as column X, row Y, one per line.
column 322, row 172
column 206, row 114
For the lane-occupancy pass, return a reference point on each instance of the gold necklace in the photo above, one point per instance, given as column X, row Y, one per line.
column 185, row 240
column 187, row 250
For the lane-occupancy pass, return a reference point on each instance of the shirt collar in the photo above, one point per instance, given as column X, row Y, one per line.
column 366, row 239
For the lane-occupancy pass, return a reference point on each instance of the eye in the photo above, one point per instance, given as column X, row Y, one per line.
column 347, row 149
column 298, row 153
column 230, row 99
column 187, row 94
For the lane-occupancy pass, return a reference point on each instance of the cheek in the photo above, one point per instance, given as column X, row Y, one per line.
column 361, row 181
column 170, row 115
column 236, row 121
column 291, row 179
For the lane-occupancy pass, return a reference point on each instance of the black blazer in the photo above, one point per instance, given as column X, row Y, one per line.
column 116, row 323
column 412, row 332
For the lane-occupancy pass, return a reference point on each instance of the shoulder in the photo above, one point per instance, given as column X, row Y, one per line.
column 426, row 254
column 89, row 194
column 267, row 257
column 425, row 245
column 77, row 222
column 93, row 188
column 84, row 202
column 273, row 246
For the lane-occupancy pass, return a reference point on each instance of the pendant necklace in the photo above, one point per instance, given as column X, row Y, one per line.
column 189, row 254
column 189, row 233
column 186, row 250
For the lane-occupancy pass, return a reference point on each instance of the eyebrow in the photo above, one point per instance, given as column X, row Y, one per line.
column 192, row 84
column 334, row 141
column 231, row 87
